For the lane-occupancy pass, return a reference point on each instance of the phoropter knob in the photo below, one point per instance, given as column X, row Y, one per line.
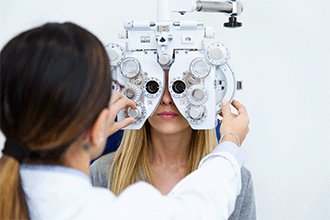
column 217, row 53
column 197, row 95
column 134, row 113
column 232, row 23
column 139, row 113
column 196, row 112
column 116, row 53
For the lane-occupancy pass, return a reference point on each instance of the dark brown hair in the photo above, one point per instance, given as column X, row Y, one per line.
column 55, row 81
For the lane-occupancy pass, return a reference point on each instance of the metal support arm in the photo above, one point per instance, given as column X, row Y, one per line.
column 231, row 8
column 226, row 7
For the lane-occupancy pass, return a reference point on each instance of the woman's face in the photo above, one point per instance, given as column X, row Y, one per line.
column 167, row 118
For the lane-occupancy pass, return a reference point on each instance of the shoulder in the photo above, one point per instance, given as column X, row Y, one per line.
column 245, row 201
column 247, row 191
column 100, row 169
column 103, row 162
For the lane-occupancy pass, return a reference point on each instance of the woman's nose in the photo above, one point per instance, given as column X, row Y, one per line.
column 166, row 99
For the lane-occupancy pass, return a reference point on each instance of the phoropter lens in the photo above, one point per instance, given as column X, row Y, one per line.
column 130, row 67
column 129, row 93
column 179, row 87
column 200, row 68
column 152, row 87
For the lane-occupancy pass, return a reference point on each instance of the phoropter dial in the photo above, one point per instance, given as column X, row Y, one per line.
column 130, row 67
column 200, row 68
column 197, row 95
column 132, row 92
column 138, row 113
column 116, row 53
column 196, row 114
column 217, row 53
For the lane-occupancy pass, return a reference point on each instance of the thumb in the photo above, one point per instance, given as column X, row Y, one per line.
column 225, row 108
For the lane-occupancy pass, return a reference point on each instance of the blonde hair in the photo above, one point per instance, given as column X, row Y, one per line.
column 131, row 162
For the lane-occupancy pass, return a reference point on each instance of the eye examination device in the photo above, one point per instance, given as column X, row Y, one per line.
column 199, row 76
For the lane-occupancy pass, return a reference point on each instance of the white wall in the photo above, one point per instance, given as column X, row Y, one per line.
column 281, row 53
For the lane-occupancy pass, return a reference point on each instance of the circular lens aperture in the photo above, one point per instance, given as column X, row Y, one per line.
column 152, row 87
column 179, row 87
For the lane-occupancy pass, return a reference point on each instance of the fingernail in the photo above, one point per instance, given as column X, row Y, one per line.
column 224, row 102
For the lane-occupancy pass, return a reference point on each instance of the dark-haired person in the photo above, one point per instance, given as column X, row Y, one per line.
column 56, row 113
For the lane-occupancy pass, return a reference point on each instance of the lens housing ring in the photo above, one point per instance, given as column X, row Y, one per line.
column 190, row 95
column 149, row 89
column 192, row 120
column 142, row 111
column 195, row 63
column 171, row 85
column 137, row 92
column 134, row 64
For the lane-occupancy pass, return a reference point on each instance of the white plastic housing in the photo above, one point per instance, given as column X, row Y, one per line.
column 173, row 45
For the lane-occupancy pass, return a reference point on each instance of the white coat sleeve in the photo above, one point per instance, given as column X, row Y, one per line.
column 208, row 193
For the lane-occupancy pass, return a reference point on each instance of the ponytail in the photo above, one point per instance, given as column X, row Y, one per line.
column 13, row 204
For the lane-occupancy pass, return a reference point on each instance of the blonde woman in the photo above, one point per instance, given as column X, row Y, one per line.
column 164, row 151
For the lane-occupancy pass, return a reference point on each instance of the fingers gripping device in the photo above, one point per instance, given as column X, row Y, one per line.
column 199, row 76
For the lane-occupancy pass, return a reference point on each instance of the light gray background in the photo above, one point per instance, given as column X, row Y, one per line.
column 282, row 55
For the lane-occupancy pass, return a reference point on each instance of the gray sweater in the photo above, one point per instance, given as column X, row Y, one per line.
column 245, row 202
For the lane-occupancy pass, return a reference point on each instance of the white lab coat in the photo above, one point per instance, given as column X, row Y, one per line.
column 55, row 192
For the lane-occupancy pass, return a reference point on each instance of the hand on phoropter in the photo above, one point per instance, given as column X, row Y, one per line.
column 118, row 101
column 234, row 123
